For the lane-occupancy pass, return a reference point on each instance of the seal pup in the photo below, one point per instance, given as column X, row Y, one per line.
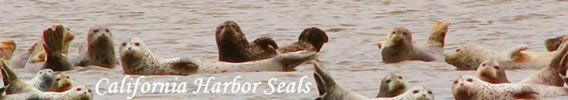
column 234, row 47
column 77, row 93
column 470, row 56
column 398, row 46
column 490, row 71
column 43, row 80
column 99, row 50
column 552, row 44
column 329, row 90
column 469, row 87
column 136, row 58
column 392, row 85
column 36, row 53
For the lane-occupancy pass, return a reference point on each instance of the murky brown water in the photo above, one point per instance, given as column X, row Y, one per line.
column 173, row 28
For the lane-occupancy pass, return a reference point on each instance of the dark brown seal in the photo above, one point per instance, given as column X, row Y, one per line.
column 234, row 47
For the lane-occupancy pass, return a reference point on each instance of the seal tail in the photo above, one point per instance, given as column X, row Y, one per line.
column 315, row 36
column 437, row 38
column 54, row 47
column 517, row 55
column 552, row 44
column 322, row 76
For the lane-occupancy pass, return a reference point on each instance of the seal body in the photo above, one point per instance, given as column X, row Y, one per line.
column 469, row 87
column 136, row 58
column 99, row 50
column 12, row 84
column 77, row 93
column 398, row 46
column 470, row 56
column 234, row 47
column 392, row 85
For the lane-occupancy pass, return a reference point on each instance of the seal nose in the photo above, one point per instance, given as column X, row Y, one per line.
column 129, row 48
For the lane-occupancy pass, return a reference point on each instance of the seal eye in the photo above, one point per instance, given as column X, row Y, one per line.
column 107, row 30
column 387, row 81
column 455, row 82
column 470, row 80
column 137, row 44
column 415, row 91
column 67, row 77
column 57, row 79
column 483, row 64
column 429, row 92
column 96, row 31
column 123, row 44
column 79, row 89
column 393, row 32
column 399, row 77
column 457, row 50
column 496, row 67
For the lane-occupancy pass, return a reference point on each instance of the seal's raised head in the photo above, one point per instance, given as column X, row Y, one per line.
column 315, row 36
column 132, row 46
column 400, row 36
column 392, row 85
column 552, row 44
column 229, row 36
column 420, row 93
column 466, row 57
column 490, row 71
column 62, row 83
column 44, row 79
column 99, row 35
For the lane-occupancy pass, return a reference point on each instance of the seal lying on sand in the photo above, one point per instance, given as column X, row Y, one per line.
column 77, row 93
column 552, row 44
column 234, row 47
column 469, row 87
column 392, row 85
column 470, row 56
column 99, row 50
column 329, row 90
column 136, row 58
column 398, row 46
column 36, row 54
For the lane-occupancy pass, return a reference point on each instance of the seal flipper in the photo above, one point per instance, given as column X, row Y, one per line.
column 552, row 44
column 54, row 47
column 184, row 65
column 320, row 84
column 526, row 93
column 266, row 43
column 517, row 55
column 560, row 60
column 293, row 59
column 325, row 77
column 8, row 75
column 315, row 36
column 437, row 38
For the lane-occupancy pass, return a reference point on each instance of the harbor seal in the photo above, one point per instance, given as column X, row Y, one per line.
column 398, row 46
column 234, row 47
column 490, row 71
column 392, row 85
column 36, row 53
column 136, row 58
column 470, row 56
column 77, row 93
column 43, row 80
column 99, row 50
column 552, row 44
column 469, row 87
column 62, row 83
column 329, row 90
